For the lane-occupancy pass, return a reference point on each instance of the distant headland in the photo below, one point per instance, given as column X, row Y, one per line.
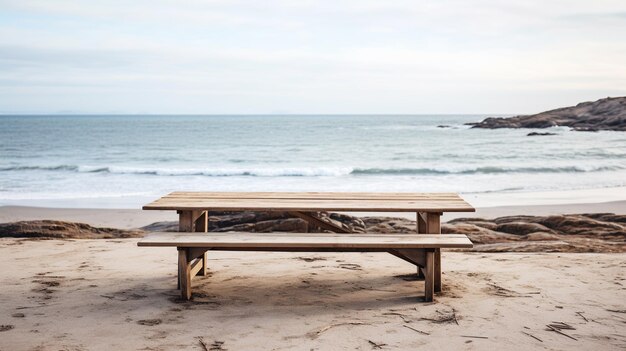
column 603, row 114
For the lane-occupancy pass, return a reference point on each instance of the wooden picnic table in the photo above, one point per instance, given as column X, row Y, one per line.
column 193, row 208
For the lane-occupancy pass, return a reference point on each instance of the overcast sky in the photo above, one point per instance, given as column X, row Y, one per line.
column 361, row 56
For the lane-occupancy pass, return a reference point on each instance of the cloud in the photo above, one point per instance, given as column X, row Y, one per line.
column 342, row 56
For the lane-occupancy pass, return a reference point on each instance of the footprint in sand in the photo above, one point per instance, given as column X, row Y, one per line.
column 6, row 327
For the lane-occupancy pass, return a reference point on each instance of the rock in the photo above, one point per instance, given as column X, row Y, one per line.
column 592, row 232
column 540, row 236
column 62, row 230
column 603, row 114
column 539, row 134
column 521, row 228
column 282, row 225
column 599, row 232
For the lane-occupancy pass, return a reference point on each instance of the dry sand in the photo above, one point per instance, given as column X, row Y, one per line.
column 110, row 295
column 113, row 295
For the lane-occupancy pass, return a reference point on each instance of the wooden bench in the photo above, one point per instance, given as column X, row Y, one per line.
column 194, row 207
column 417, row 249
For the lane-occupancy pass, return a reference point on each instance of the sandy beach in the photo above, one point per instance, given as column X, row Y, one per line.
column 109, row 294
column 84, row 294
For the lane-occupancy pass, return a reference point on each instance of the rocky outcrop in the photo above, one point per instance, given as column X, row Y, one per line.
column 262, row 222
column 62, row 230
column 597, row 232
column 604, row 114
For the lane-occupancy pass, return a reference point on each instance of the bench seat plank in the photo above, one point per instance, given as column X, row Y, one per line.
column 306, row 240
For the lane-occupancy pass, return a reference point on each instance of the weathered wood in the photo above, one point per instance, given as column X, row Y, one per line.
column 305, row 240
column 195, row 267
column 429, row 273
column 312, row 202
column 311, row 195
column 430, row 223
column 417, row 249
column 202, row 225
column 420, row 223
column 434, row 227
column 193, row 221
column 318, row 222
column 184, row 274
column 414, row 256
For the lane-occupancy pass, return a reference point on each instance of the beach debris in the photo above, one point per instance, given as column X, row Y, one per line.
column 443, row 317
column 351, row 266
column 497, row 290
column 360, row 287
column 417, row 330
column 310, row 259
column 617, row 311
column 532, row 336
column 558, row 326
column 203, row 344
column 5, row 327
column 403, row 316
column 149, row 322
column 18, row 315
column 475, row 336
column 583, row 317
column 376, row 346
column 317, row 333
column 216, row 345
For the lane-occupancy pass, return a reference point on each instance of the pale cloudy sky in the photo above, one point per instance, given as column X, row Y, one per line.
column 361, row 56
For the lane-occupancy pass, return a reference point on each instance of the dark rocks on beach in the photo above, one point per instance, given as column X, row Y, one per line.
column 50, row 229
column 539, row 134
column 597, row 232
column 603, row 114
column 262, row 222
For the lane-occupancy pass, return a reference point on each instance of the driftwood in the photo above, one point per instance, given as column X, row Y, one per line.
column 475, row 336
column 558, row 326
column 532, row 336
column 417, row 330
column 581, row 314
column 376, row 346
column 315, row 334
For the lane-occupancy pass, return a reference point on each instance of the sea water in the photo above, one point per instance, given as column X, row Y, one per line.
column 121, row 161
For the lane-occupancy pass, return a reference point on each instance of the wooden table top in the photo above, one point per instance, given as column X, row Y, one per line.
column 311, row 202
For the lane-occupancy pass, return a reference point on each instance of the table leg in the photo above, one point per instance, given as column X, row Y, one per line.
column 194, row 221
column 430, row 223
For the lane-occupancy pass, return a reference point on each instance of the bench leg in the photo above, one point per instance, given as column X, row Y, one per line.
column 429, row 273
column 184, row 274
column 205, row 268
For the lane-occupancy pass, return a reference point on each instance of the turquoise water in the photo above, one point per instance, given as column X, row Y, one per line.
column 123, row 160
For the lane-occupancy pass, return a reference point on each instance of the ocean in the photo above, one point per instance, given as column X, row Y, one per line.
column 123, row 161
